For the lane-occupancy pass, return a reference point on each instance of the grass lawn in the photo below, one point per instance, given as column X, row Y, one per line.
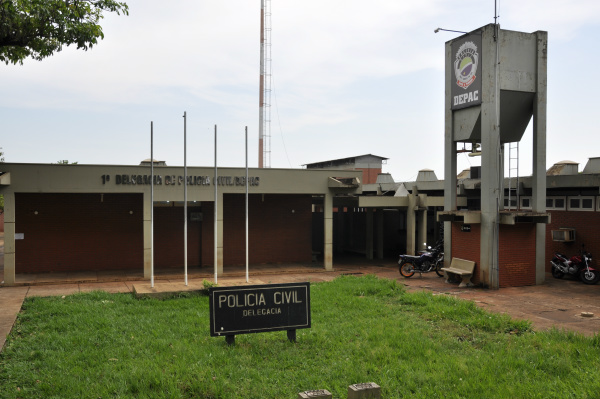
column 414, row 345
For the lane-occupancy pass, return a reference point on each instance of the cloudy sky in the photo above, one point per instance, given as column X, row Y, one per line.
column 350, row 77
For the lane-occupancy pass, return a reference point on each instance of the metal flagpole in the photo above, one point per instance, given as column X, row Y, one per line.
column 247, row 259
column 185, row 226
column 152, row 204
column 216, row 201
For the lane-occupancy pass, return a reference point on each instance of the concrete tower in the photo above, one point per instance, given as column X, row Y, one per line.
column 495, row 84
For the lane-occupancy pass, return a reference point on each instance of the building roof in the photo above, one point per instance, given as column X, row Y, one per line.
column 342, row 161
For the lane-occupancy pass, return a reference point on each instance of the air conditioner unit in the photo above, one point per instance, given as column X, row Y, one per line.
column 563, row 235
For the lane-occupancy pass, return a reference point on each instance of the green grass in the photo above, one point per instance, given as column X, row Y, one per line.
column 414, row 345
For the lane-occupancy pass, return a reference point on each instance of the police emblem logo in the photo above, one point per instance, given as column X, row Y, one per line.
column 465, row 65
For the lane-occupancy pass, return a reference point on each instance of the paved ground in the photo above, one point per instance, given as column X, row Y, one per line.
column 557, row 303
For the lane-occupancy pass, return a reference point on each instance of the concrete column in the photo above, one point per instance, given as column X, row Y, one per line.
column 411, row 225
column 219, row 236
column 147, row 236
column 490, row 161
column 449, row 159
column 9, row 239
column 369, row 234
column 379, row 233
column 422, row 221
column 328, row 233
column 539, row 155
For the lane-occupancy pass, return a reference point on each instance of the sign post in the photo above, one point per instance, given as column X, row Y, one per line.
column 259, row 308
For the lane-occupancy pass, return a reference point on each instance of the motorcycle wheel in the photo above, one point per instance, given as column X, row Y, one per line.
column 407, row 270
column 589, row 277
column 557, row 273
column 438, row 267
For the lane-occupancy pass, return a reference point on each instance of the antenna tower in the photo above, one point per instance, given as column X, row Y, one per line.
column 264, row 119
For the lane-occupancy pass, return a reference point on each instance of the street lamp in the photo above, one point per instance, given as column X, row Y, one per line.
column 448, row 30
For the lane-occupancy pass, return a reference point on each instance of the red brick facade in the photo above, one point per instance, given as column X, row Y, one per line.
column 587, row 231
column 516, row 252
column 465, row 245
column 90, row 232
column 168, row 238
column 74, row 232
column 517, row 255
column 279, row 229
column 369, row 175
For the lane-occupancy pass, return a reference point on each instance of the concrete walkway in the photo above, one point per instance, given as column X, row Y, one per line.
column 557, row 303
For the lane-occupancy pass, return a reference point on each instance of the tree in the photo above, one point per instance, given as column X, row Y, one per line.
column 39, row 28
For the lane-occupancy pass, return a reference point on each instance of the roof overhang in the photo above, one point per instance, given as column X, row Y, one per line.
column 506, row 217
column 5, row 179
column 350, row 182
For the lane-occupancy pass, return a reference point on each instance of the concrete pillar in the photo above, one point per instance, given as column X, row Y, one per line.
column 328, row 231
column 449, row 160
column 491, row 185
column 539, row 155
column 411, row 225
column 379, row 233
column 9, row 239
column 147, row 236
column 369, row 234
column 422, row 228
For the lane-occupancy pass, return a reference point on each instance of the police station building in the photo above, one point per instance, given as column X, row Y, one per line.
column 78, row 218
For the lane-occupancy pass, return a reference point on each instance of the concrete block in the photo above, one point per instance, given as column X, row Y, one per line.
column 316, row 393
column 366, row 390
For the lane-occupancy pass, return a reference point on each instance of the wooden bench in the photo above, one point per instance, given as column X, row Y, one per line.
column 461, row 267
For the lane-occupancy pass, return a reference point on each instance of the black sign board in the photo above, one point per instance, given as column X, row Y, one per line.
column 259, row 308
column 465, row 73
column 466, row 228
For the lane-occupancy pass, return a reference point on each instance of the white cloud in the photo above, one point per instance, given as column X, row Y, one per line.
column 350, row 76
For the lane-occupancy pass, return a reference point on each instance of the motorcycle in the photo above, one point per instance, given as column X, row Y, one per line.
column 427, row 261
column 577, row 265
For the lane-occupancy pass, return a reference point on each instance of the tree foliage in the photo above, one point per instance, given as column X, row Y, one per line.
column 39, row 28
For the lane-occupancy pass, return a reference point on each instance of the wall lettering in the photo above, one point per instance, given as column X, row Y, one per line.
column 173, row 180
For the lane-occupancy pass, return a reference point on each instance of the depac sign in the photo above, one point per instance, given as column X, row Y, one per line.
column 466, row 71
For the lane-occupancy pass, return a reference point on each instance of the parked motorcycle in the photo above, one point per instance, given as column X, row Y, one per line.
column 427, row 261
column 577, row 265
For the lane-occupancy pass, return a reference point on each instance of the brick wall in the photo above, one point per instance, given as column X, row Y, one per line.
column 466, row 245
column 168, row 238
column 516, row 252
column 517, row 255
column 74, row 232
column 275, row 233
column 369, row 176
column 587, row 231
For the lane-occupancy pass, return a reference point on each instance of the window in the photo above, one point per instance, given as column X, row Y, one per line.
column 580, row 203
column 513, row 203
column 556, row 203
column 525, row 202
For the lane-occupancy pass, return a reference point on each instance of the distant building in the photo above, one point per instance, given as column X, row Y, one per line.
column 370, row 165
column 146, row 162
column 64, row 218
